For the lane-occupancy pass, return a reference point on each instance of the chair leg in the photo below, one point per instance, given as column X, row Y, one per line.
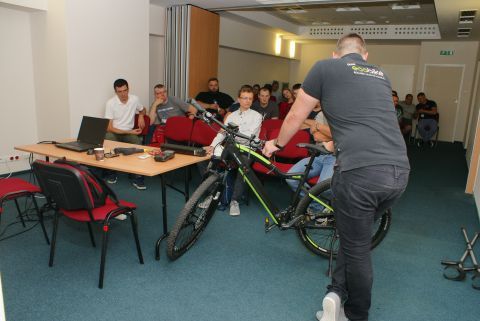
column 54, row 238
column 90, row 231
column 104, row 254
column 40, row 218
column 19, row 212
column 133, row 220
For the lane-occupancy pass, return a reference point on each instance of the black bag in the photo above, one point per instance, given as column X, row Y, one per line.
column 98, row 189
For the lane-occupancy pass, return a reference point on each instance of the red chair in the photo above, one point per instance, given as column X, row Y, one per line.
column 203, row 133
column 178, row 130
column 267, row 126
column 145, row 129
column 14, row 188
column 69, row 191
column 288, row 156
column 158, row 137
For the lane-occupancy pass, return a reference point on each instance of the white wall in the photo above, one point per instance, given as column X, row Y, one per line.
column 60, row 64
column 157, row 48
column 465, row 54
column 17, row 91
column 103, row 45
column 247, row 56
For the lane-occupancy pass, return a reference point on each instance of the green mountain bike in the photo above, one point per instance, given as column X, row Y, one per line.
column 316, row 229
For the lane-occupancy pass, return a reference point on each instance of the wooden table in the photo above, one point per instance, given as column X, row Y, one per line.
column 128, row 164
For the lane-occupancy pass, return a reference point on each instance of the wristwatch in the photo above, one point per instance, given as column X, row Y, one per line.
column 275, row 143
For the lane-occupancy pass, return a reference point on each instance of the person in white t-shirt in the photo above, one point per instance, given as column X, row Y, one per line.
column 249, row 122
column 121, row 110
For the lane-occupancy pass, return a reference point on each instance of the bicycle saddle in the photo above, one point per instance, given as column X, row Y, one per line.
column 319, row 149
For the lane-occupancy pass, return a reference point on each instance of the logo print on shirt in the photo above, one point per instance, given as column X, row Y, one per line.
column 365, row 71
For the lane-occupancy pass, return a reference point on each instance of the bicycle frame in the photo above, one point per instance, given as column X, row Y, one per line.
column 235, row 151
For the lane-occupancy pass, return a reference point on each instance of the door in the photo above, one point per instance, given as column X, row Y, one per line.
column 442, row 83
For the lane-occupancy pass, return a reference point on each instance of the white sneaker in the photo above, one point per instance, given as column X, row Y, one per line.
column 332, row 309
column 206, row 202
column 121, row 217
column 234, row 208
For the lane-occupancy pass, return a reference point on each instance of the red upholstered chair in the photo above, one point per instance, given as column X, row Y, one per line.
column 267, row 126
column 14, row 188
column 178, row 130
column 287, row 157
column 203, row 133
column 71, row 195
column 145, row 129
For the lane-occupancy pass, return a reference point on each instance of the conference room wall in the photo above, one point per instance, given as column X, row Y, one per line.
column 65, row 61
column 238, row 67
column 17, row 91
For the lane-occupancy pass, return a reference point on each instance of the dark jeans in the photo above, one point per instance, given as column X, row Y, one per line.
column 360, row 196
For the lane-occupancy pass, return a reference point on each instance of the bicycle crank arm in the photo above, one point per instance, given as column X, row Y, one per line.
column 293, row 222
column 268, row 226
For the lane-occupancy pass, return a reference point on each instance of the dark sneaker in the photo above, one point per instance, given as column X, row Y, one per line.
column 139, row 185
column 431, row 143
column 111, row 179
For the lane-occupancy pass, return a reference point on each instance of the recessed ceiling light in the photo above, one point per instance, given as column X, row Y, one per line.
column 364, row 22
column 347, row 9
column 294, row 11
column 397, row 6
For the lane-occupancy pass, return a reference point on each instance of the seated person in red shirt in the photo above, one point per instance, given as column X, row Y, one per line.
column 284, row 106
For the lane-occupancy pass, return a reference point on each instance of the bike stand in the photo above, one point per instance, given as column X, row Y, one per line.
column 457, row 271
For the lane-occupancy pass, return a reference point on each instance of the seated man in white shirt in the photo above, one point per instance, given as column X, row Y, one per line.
column 121, row 110
column 249, row 122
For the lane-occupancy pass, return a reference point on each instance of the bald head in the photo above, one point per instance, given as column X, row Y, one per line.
column 351, row 43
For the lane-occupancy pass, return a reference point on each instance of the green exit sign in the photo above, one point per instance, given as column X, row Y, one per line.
column 447, row 52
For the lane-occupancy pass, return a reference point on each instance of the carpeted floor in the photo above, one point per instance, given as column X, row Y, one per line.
column 238, row 272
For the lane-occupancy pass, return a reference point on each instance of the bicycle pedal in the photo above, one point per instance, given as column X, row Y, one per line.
column 268, row 226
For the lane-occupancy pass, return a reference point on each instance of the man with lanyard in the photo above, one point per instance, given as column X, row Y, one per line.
column 214, row 100
column 372, row 167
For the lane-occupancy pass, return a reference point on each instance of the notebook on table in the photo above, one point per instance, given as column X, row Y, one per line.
column 91, row 134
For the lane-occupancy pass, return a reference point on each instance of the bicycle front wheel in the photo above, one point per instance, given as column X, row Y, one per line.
column 318, row 231
column 194, row 216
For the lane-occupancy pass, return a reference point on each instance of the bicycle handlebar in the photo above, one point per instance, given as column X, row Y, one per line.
column 232, row 130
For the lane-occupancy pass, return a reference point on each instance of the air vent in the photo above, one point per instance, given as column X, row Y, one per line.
column 464, row 29
column 426, row 31
column 466, row 20
column 468, row 13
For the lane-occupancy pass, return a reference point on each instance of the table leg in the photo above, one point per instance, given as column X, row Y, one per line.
column 164, row 214
column 187, row 177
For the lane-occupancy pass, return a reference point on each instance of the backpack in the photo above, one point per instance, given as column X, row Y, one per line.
column 97, row 188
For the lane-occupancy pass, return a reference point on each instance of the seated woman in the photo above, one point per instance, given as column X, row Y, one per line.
column 284, row 106
column 249, row 122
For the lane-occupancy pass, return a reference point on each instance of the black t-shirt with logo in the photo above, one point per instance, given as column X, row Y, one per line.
column 356, row 98
column 429, row 105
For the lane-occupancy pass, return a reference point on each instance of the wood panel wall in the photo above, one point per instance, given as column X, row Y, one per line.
column 204, row 42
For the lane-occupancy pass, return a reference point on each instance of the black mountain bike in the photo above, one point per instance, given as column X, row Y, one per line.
column 316, row 228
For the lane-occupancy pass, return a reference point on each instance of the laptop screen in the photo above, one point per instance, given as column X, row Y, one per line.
column 93, row 130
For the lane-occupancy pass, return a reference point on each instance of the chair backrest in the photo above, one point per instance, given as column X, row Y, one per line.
column 267, row 126
column 283, row 109
column 147, row 124
column 64, row 184
column 178, row 129
column 203, row 133
column 291, row 150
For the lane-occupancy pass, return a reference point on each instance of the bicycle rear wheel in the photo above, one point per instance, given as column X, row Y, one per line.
column 318, row 232
column 194, row 216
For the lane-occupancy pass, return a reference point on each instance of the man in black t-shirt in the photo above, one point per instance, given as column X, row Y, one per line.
column 213, row 100
column 427, row 118
column 372, row 167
